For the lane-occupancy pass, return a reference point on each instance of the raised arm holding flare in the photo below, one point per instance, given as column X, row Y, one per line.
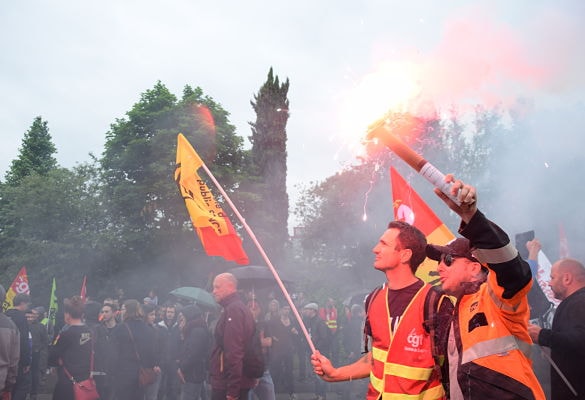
column 488, row 341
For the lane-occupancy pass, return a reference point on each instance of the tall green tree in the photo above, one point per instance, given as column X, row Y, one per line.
column 142, row 199
column 36, row 155
column 269, row 214
column 54, row 225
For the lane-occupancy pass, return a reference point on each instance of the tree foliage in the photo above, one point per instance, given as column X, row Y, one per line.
column 138, row 166
column 36, row 155
column 268, row 209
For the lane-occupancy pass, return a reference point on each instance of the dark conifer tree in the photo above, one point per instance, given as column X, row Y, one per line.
column 270, row 214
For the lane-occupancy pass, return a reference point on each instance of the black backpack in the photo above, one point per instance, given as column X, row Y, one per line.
column 253, row 362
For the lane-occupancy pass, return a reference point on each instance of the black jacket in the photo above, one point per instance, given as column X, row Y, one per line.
column 566, row 340
column 19, row 319
column 194, row 355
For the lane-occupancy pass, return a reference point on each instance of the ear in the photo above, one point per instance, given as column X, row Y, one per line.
column 405, row 256
column 474, row 268
column 567, row 278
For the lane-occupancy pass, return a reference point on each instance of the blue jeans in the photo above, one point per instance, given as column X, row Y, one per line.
column 264, row 390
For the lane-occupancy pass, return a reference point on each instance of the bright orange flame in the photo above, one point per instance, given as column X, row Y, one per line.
column 392, row 86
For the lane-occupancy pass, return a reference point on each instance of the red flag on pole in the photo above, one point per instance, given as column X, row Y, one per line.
column 564, row 244
column 19, row 285
column 83, row 291
column 410, row 207
column 213, row 227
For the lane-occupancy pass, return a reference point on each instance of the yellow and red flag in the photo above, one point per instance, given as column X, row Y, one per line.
column 19, row 285
column 410, row 207
column 213, row 227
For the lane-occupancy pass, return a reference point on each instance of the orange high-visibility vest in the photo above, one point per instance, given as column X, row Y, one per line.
column 495, row 344
column 403, row 364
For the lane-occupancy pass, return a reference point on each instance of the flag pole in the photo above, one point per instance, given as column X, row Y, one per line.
column 264, row 256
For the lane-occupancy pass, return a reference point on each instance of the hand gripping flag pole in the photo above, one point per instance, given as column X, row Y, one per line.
column 181, row 138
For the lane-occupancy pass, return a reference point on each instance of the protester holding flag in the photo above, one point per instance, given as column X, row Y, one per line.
column 404, row 361
column 488, row 341
column 566, row 338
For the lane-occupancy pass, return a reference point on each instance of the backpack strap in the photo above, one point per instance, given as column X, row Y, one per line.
column 368, row 303
column 432, row 325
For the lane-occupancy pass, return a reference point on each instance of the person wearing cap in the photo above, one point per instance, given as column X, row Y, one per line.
column 488, row 342
column 195, row 343
column 39, row 350
column 9, row 351
column 403, row 362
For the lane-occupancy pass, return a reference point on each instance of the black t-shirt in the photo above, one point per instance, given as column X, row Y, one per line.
column 398, row 300
column 73, row 347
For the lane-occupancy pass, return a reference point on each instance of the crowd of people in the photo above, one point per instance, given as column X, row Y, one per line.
column 113, row 338
column 467, row 338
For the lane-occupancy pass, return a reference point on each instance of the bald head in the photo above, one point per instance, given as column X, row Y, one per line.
column 566, row 277
column 224, row 285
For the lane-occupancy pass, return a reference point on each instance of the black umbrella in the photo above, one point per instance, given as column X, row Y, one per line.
column 197, row 295
column 255, row 276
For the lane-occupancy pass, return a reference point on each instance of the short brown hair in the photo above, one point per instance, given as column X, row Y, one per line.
column 410, row 237
column 74, row 306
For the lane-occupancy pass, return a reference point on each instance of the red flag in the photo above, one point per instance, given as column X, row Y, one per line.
column 409, row 207
column 19, row 285
column 213, row 227
column 83, row 291
column 564, row 244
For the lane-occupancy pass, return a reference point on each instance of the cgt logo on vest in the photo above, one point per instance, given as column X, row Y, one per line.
column 415, row 341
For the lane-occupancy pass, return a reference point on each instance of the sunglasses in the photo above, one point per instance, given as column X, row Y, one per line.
column 448, row 259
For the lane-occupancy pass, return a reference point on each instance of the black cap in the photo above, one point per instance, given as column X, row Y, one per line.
column 459, row 247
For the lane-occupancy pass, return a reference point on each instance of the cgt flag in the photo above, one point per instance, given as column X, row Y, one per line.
column 213, row 227
column 409, row 207
column 19, row 285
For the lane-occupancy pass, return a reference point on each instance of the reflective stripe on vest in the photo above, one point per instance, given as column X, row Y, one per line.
column 498, row 301
column 496, row 346
column 496, row 256
column 331, row 323
column 436, row 392
column 399, row 370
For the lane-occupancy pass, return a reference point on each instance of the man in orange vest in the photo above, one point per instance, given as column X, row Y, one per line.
column 488, row 342
column 401, row 361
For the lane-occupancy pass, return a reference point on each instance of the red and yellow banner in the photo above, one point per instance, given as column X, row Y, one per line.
column 213, row 227
column 19, row 285
column 409, row 207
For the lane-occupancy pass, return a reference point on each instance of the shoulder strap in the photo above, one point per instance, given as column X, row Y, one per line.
column 433, row 301
column 133, row 342
column 69, row 376
column 368, row 303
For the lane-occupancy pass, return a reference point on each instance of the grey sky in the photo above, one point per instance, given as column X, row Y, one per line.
column 80, row 65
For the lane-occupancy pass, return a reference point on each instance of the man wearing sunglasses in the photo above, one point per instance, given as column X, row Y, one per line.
column 488, row 341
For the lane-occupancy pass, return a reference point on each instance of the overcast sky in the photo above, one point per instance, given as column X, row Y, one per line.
column 80, row 65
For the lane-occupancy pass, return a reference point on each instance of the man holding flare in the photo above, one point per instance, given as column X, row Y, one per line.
column 488, row 342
